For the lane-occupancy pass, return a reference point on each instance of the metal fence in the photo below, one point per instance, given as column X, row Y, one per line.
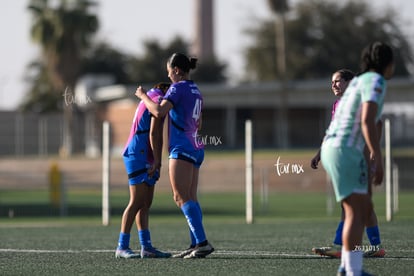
column 35, row 134
column 28, row 134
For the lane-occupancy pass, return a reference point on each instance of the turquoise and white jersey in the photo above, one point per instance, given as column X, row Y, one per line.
column 345, row 128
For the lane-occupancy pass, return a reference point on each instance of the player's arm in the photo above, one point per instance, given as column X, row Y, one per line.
column 157, row 110
column 369, row 130
column 156, row 141
column 379, row 129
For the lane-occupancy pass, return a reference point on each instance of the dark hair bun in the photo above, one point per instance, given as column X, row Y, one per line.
column 193, row 63
column 183, row 62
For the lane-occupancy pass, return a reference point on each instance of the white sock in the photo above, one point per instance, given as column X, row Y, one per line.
column 342, row 257
column 353, row 262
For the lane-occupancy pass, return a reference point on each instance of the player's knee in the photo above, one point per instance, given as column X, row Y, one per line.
column 369, row 207
column 131, row 208
column 179, row 201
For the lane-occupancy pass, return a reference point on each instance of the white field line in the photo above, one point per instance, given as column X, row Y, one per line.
column 265, row 254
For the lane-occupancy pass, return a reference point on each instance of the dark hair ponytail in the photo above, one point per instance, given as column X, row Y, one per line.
column 376, row 56
column 182, row 62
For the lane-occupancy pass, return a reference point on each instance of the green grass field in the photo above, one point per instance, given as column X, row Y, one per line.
column 38, row 242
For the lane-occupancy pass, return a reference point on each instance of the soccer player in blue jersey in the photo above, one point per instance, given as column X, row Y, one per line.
column 184, row 103
column 352, row 128
column 340, row 81
column 142, row 158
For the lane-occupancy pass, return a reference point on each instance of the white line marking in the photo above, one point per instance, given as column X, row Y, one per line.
column 217, row 252
column 11, row 250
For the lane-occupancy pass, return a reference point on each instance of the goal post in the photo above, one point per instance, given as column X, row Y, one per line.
column 389, row 189
column 105, row 172
column 249, row 171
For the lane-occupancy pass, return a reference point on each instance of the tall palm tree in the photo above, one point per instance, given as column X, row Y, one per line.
column 279, row 8
column 63, row 32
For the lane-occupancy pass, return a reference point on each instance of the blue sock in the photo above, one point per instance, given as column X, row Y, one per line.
column 193, row 215
column 193, row 239
column 338, row 234
column 144, row 238
column 199, row 210
column 123, row 241
column 373, row 235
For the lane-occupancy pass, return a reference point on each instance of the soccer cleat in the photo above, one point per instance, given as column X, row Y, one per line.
column 200, row 252
column 375, row 253
column 125, row 254
column 152, row 252
column 183, row 253
column 329, row 251
column 341, row 271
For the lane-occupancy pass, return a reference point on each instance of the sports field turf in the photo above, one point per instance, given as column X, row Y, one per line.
column 278, row 243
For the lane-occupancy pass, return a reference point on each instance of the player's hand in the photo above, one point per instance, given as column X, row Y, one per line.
column 315, row 161
column 140, row 92
column 377, row 170
column 154, row 167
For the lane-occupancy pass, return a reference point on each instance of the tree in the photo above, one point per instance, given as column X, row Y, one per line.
column 103, row 59
column 323, row 36
column 41, row 97
column 63, row 32
column 209, row 71
column 151, row 67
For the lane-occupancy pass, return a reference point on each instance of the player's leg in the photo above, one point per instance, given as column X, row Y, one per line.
column 335, row 250
column 339, row 229
column 203, row 247
column 358, row 208
column 128, row 217
column 145, row 197
column 193, row 197
column 372, row 231
column 193, row 193
column 182, row 176
column 338, row 239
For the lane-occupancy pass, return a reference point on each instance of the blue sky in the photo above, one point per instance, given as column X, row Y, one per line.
column 126, row 23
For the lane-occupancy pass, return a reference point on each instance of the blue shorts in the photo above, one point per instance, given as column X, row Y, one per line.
column 347, row 169
column 137, row 171
column 195, row 157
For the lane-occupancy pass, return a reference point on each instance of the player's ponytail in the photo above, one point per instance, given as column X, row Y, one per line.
column 193, row 63
column 182, row 62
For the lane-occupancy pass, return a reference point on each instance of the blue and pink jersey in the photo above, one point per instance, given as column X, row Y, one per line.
column 138, row 143
column 185, row 116
column 334, row 106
